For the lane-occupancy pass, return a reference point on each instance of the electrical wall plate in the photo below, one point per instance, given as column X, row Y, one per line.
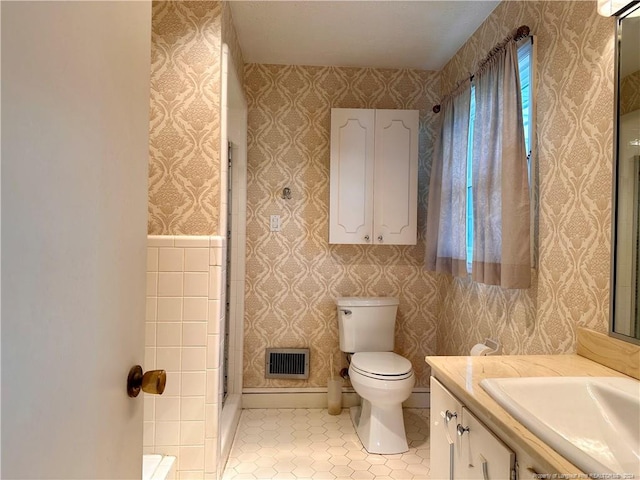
column 274, row 223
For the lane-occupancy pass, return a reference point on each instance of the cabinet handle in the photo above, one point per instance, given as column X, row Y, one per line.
column 533, row 471
column 380, row 238
column 461, row 430
column 451, row 460
column 366, row 238
column 448, row 415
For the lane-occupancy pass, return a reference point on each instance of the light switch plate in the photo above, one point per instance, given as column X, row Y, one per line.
column 274, row 223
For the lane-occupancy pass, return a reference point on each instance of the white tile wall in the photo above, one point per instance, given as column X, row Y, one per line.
column 183, row 326
column 196, row 259
column 170, row 284
column 193, row 384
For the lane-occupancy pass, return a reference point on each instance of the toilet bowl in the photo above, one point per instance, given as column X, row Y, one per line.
column 384, row 380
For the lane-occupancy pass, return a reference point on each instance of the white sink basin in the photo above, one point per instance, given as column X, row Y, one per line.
column 594, row 422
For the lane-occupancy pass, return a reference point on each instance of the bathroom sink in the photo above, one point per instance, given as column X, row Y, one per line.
column 594, row 422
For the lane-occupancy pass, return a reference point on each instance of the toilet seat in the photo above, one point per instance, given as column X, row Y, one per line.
column 387, row 366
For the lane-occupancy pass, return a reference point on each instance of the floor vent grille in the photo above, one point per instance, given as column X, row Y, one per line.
column 287, row 363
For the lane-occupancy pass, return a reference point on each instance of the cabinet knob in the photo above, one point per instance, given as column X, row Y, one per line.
column 366, row 238
column 461, row 430
column 448, row 415
column 380, row 238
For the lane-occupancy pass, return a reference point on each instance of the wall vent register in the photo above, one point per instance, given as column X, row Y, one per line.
column 290, row 363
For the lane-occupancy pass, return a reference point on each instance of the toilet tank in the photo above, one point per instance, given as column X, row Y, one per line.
column 367, row 324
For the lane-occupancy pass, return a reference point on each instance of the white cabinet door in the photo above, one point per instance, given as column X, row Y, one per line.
column 461, row 446
column 445, row 412
column 374, row 176
column 483, row 455
column 396, row 177
column 351, row 185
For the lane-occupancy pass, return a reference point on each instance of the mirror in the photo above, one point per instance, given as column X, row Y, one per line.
column 626, row 254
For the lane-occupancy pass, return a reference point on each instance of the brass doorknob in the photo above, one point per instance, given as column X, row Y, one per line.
column 152, row 381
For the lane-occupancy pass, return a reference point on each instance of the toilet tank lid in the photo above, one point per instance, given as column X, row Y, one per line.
column 366, row 301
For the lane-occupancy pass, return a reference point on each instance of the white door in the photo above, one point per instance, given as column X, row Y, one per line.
column 396, row 177
column 351, row 184
column 75, row 96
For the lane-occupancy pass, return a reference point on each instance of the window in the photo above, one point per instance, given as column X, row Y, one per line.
column 472, row 117
column 525, row 67
column 525, row 70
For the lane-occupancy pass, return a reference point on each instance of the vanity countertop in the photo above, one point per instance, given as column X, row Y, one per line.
column 462, row 376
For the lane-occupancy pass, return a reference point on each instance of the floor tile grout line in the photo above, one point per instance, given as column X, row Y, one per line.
column 280, row 445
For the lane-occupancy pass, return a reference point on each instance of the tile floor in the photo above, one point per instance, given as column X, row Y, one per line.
column 311, row 444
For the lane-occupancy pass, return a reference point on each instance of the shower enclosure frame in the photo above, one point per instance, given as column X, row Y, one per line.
column 233, row 130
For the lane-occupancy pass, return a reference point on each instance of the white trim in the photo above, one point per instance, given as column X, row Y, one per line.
column 233, row 128
column 295, row 400
column 228, row 425
column 236, row 112
column 316, row 397
column 257, row 390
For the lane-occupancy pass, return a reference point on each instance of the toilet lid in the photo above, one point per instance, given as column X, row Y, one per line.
column 381, row 363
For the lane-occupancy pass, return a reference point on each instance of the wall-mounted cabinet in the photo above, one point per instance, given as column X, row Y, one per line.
column 461, row 446
column 374, row 176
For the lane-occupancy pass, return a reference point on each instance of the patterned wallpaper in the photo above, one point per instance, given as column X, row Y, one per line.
column 293, row 276
column 630, row 93
column 184, row 164
column 230, row 37
column 575, row 131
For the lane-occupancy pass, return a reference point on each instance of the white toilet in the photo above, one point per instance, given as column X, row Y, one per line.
column 382, row 378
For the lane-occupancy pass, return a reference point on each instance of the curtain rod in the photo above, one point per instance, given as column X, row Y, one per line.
column 519, row 33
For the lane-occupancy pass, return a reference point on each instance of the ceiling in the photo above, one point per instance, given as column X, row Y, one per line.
column 629, row 51
column 420, row 34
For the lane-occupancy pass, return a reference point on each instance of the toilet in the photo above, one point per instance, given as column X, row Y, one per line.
column 382, row 378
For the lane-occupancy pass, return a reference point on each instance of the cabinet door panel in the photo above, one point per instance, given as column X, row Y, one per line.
column 483, row 455
column 396, row 173
column 352, row 164
column 443, row 450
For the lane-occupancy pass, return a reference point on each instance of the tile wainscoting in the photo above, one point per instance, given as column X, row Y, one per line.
column 184, row 336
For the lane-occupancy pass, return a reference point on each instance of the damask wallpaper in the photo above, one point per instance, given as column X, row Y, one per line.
column 230, row 37
column 630, row 93
column 575, row 48
column 293, row 276
column 184, row 164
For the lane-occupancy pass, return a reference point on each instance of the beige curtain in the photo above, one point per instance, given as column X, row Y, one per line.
column 446, row 219
column 500, row 184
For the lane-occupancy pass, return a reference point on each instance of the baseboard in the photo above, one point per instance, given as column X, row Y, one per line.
column 420, row 398
column 315, row 398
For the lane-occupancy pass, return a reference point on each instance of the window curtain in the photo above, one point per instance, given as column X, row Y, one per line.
column 501, row 247
column 446, row 221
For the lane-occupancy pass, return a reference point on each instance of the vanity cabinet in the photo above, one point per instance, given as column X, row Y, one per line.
column 374, row 176
column 462, row 447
